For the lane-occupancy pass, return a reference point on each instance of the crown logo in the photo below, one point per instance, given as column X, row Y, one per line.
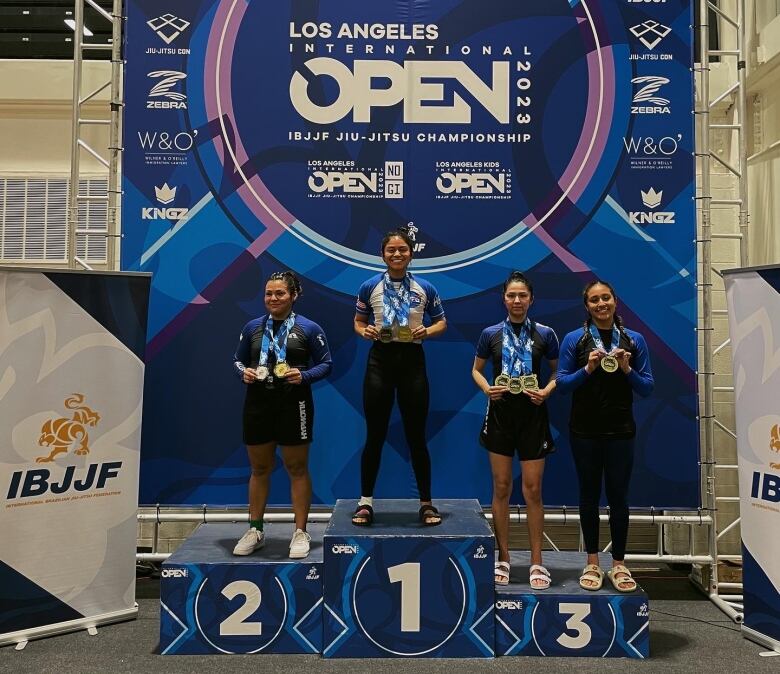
column 651, row 198
column 165, row 194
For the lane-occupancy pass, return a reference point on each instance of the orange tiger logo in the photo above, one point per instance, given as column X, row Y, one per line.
column 774, row 444
column 62, row 434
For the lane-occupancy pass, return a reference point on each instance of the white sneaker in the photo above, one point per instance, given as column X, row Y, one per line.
column 299, row 545
column 252, row 540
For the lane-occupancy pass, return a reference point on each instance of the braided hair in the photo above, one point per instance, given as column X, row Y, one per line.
column 290, row 280
column 518, row 277
column 589, row 319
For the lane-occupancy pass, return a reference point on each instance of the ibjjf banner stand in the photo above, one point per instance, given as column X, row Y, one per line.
column 71, row 388
column 753, row 297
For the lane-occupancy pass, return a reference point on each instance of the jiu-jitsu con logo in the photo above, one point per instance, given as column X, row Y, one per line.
column 168, row 27
column 164, row 94
column 343, row 179
column 473, row 180
column 164, row 195
column 652, row 200
column 424, row 102
column 68, row 436
column 646, row 99
column 68, row 433
column 650, row 33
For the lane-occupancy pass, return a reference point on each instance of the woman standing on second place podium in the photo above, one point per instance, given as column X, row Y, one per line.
column 603, row 364
column 389, row 312
column 272, row 359
column 516, row 419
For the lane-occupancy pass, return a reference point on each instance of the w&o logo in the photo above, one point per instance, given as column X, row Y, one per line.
column 62, row 434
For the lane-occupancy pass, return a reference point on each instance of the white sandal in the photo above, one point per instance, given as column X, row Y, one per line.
column 501, row 573
column 538, row 572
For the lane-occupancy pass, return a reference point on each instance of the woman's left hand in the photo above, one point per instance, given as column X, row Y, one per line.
column 420, row 332
column 293, row 376
column 537, row 397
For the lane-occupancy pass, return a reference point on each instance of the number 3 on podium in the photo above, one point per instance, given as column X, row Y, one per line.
column 575, row 623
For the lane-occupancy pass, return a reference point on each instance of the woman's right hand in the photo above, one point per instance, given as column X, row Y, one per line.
column 594, row 358
column 249, row 376
column 371, row 333
column 496, row 392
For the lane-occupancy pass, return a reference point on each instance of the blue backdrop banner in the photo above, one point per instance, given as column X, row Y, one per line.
column 551, row 136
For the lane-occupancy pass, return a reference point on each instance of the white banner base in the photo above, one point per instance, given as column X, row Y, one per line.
column 760, row 638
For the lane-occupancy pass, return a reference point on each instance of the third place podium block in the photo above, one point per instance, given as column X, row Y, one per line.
column 402, row 589
column 565, row 619
column 214, row 602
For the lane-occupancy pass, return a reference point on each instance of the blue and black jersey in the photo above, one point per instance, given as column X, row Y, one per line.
column 543, row 339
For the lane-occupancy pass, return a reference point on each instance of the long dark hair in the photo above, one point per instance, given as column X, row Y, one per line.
column 518, row 277
column 589, row 319
column 401, row 233
column 294, row 286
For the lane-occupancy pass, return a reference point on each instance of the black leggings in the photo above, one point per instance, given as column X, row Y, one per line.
column 614, row 460
column 396, row 367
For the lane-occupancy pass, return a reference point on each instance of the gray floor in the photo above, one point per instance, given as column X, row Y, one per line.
column 687, row 633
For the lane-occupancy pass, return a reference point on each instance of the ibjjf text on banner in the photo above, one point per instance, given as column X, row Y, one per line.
column 551, row 136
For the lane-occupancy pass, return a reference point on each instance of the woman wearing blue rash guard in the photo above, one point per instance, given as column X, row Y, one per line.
column 279, row 356
column 603, row 364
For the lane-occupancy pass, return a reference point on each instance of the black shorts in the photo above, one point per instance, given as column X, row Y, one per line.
column 513, row 425
column 283, row 415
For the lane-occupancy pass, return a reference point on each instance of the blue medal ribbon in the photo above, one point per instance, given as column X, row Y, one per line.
column 516, row 351
column 277, row 344
column 600, row 344
column 396, row 304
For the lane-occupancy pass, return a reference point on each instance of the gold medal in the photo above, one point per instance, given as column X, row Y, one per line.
column 281, row 368
column 530, row 382
column 515, row 385
column 262, row 372
column 386, row 334
column 609, row 364
column 404, row 333
column 502, row 380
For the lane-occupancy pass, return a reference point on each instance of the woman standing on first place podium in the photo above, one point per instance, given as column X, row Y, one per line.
column 272, row 359
column 389, row 312
column 604, row 363
column 516, row 419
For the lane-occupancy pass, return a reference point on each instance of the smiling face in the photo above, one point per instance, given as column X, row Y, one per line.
column 601, row 305
column 517, row 299
column 397, row 255
column 278, row 299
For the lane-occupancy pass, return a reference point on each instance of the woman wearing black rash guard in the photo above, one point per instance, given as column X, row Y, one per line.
column 603, row 364
column 389, row 312
column 272, row 359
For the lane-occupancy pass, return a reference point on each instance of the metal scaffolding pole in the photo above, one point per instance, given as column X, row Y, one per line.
column 78, row 122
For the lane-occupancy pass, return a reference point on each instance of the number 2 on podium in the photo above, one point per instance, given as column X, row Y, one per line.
column 409, row 576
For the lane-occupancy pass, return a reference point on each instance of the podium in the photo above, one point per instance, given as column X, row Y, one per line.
column 402, row 589
column 566, row 620
column 214, row 602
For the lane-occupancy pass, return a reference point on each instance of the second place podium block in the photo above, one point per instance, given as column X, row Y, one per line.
column 402, row 589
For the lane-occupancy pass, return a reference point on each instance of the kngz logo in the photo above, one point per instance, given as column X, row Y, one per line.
column 651, row 199
column 509, row 605
column 343, row 549
column 168, row 79
column 647, row 94
column 650, row 33
column 164, row 195
column 173, row 573
column 648, row 146
column 168, row 27
column 353, row 182
column 408, row 82
column 472, row 183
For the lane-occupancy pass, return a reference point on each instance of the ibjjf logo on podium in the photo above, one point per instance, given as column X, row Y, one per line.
column 241, row 608
column 408, row 597
column 560, row 625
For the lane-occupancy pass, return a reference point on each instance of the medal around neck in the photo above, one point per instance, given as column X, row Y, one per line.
column 502, row 380
column 281, row 368
column 386, row 335
column 404, row 333
column 516, row 385
column 609, row 364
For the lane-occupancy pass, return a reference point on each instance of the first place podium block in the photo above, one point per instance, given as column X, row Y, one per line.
column 566, row 620
column 402, row 589
column 214, row 602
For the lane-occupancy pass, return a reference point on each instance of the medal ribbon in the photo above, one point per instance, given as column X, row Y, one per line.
column 396, row 304
column 278, row 344
column 600, row 344
column 516, row 353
